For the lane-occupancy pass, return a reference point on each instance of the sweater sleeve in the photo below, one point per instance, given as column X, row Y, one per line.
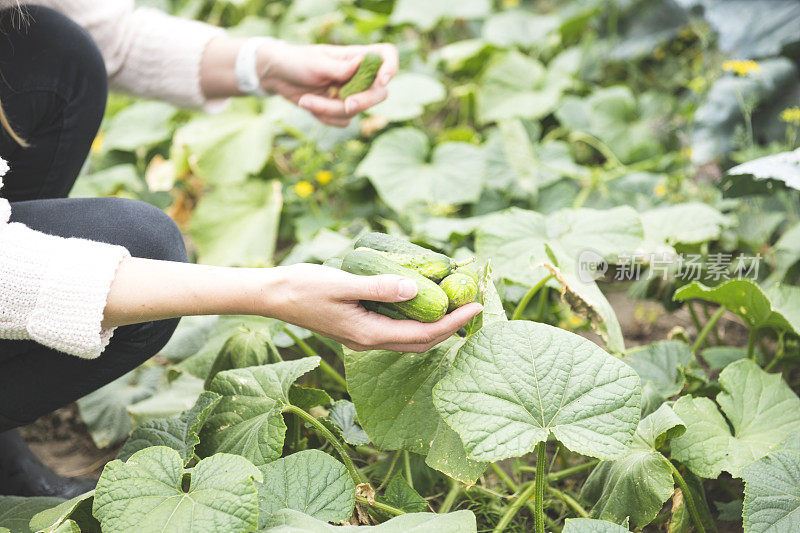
column 53, row 290
column 146, row 51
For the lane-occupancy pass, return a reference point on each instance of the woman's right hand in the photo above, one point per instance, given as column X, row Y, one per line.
column 326, row 300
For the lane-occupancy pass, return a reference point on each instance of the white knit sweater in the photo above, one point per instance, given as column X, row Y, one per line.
column 54, row 290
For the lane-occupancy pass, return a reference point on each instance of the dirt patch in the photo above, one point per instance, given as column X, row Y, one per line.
column 61, row 440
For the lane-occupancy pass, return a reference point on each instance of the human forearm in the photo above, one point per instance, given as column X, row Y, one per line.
column 146, row 290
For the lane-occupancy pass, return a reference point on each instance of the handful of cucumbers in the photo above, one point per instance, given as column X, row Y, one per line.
column 379, row 253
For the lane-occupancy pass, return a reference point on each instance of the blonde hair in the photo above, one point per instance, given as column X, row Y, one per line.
column 19, row 18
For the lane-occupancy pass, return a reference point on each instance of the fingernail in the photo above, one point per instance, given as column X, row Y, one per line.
column 406, row 288
column 303, row 102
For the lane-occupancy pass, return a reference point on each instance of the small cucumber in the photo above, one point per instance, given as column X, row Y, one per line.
column 469, row 271
column 389, row 243
column 364, row 76
column 430, row 303
column 431, row 265
column 460, row 289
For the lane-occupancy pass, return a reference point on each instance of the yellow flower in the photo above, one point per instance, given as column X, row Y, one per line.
column 324, row 177
column 660, row 190
column 510, row 3
column 742, row 67
column 97, row 143
column 303, row 189
column 687, row 152
column 791, row 115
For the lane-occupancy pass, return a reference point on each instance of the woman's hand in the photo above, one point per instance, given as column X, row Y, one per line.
column 306, row 74
column 326, row 300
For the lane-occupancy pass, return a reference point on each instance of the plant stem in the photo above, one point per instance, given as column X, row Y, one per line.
column 513, row 508
column 310, row 352
column 382, row 506
column 407, row 468
column 465, row 262
column 450, row 499
column 392, row 464
column 566, row 472
column 688, row 498
column 541, row 477
column 751, row 344
column 695, row 318
column 779, row 351
column 527, row 298
column 569, row 501
column 508, row 482
column 701, row 338
column 355, row 473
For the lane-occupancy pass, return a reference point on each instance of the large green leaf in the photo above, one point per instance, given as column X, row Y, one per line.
column 514, row 383
column 288, row 520
column 146, row 493
column 761, row 411
column 310, row 481
column 514, row 239
column 404, row 169
column 104, row 410
column 248, row 420
column 687, row 223
column 343, row 414
column 238, row 225
column 140, row 125
column 754, row 28
column 409, row 93
column 751, row 303
column 426, row 13
column 772, row 491
column 637, row 484
column 228, row 147
column 519, row 27
column 785, row 253
column 16, row 511
column 782, row 168
column 77, row 510
column 616, row 117
column 515, row 85
column 181, row 433
column 171, row 399
column 392, row 394
column 659, row 366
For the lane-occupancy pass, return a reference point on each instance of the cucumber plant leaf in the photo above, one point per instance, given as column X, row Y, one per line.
column 457, row 522
column 238, row 226
column 519, row 27
column 590, row 525
column 104, row 410
column 400, row 495
column 515, row 85
column 248, row 420
column 404, row 169
column 772, row 491
column 659, row 366
column 181, row 433
column 310, row 481
column 170, row 400
column 424, row 14
column 392, row 394
column 785, row 254
column 409, row 93
column 514, row 383
column 141, row 124
column 753, row 305
column 146, row 493
column 77, row 510
column 745, row 430
column 637, row 484
column 16, row 511
column 689, row 223
column 343, row 414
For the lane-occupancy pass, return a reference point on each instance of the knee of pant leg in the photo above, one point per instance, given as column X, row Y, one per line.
column 143, row 229
column 71, row 54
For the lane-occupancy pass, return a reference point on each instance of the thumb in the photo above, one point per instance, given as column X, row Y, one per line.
column 384, row 288
column 336, row 69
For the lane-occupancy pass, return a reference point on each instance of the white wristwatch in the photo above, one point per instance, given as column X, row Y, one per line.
column 247, row 76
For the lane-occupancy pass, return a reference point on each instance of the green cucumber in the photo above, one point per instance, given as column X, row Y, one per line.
column 460, row 289
column 431, row 265
column 430, row 303
column 364, row 76
column 389, row 243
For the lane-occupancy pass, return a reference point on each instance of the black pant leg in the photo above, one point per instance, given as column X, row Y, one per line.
column 53, row 89
column 35, row 380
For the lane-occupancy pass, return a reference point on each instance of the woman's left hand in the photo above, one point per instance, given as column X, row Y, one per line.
column 306, row 75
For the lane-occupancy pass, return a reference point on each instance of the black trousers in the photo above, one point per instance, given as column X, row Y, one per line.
column 53, row 88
